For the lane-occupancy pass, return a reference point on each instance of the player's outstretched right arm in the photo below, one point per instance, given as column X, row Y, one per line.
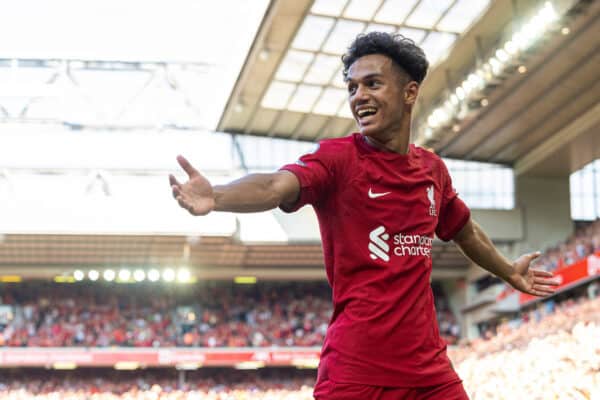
column 252, row 193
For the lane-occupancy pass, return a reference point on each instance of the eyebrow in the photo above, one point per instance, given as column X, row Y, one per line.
column 373, row 75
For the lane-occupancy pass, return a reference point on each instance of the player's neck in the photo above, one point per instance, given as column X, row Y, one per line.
column 396, row 139
column 395, row 144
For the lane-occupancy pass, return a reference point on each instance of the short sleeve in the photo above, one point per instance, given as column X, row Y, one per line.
column 454, row 213
column 315, row 174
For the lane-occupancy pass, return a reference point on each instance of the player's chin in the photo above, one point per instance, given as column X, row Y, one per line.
column 369, row 130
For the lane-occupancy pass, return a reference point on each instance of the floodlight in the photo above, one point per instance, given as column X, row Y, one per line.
column 139, row 275
column 432, row 121
column 168, row 275
column 109, row 275
column 93, row 275
column 183, row 275
column 153, row 275
column 486, row 72
column 78, row 275
column 476, row 81
column 496, row 65
column 510, row 48
column 548, row 13
column 467, row 95
column 124, row 275
column 439, row 117
column 502, row 55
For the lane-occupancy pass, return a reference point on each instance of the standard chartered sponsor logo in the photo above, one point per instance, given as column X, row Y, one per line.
column 403, row 244
column 412, row 245
column 378, row 245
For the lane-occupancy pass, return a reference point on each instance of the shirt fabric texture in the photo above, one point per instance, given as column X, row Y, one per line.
column 378, row 212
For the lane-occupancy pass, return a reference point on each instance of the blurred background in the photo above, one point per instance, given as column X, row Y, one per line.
column 108, row 290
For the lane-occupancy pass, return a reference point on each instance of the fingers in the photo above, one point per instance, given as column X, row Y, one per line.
column 182, row 203
column 173, row 181
column 177, row 194
column 543, row 283
column 187, row 167
column 185, row 205
column 546, row 281
column 540, row 293
column 543, row 290
column 175, row 186
column 542, row 273
column 533, row 256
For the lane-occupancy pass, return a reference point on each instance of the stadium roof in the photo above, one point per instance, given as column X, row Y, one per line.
column 123, row 64
column 535, row 106
column 272, row 68
column 291, row 85
column 211, row 257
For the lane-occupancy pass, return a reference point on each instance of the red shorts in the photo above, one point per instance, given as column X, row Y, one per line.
column 329, row 390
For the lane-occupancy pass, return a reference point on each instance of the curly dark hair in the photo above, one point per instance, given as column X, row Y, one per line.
column 402, row 50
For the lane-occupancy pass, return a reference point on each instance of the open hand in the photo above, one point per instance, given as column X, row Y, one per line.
column 196, row 195
column 532, row 281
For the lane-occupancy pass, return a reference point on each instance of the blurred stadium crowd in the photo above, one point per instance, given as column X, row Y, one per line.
column 286, row 314
column 550, row 351
column 47, row 315
column 160, row 384
column 585, row 241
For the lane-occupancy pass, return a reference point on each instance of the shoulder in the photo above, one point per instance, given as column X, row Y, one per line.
column 335, row 149
column 432, row 162
column 337, row 144
column 428, row 157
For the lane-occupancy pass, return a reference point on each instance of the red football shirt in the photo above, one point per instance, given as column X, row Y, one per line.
column 378, row 212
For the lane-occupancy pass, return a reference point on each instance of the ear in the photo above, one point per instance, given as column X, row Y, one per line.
column 411, row 90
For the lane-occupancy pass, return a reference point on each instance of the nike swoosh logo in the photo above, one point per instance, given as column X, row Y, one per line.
column 376, row 195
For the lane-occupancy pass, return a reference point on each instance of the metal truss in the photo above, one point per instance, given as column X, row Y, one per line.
column 45, row 90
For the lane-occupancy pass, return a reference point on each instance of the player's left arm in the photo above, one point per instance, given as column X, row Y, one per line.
column 476, row 245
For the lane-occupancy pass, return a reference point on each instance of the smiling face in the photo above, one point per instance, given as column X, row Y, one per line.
column 381, row 96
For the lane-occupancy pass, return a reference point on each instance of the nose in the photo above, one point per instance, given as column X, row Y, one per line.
column 360, row 94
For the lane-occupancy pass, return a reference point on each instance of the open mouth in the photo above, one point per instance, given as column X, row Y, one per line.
column 365, row 113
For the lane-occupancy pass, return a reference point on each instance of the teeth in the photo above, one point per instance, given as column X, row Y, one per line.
column 364, row 111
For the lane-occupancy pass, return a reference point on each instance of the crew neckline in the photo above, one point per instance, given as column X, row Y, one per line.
column 368, row 148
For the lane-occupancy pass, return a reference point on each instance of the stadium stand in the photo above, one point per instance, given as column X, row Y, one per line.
column 552, row 343
column 94, row 111
column 204, row 315
column 219, row 315
column 160, row 384
column 550, row 350
column 583, row 242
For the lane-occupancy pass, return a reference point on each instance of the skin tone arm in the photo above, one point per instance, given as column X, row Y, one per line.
column 261, row 192
column 476, row 245
column 252, row 193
